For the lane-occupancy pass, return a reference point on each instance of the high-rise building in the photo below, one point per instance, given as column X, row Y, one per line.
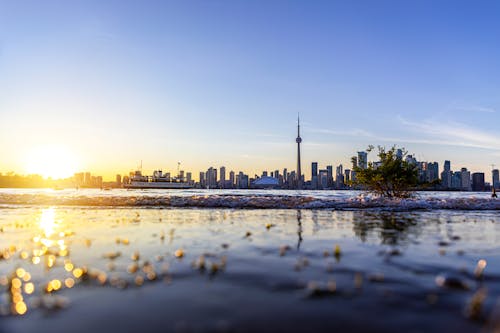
column 339, row 177
column 202, row 179
column 347, row 177
column 495, row 179
column 478, row 181
column 466, row 181
column 446, row 175
column 299, row 171
column 447, row 165
column 98, row 181
column 79, row 178
column 410, row 159
column 362, row 159
column 118, row 180
column 329, row 168
column 222, row 178
column 314, row 175
column 242, row 180
column 231, row 178
column 314, row 169
column 399, row 154
column 456, row 180
column 323, row 179
column 189, row 177
column 211, row 177
column 432, row 171
column 354, row 161
column 87, row 181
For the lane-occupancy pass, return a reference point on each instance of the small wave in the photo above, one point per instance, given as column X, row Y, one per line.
column 255, row 202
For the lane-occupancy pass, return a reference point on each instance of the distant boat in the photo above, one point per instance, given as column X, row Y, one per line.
column 157, row 181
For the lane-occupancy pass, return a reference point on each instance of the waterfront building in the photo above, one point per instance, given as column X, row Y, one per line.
column 446, row 175
column 118, row 180
column 202, row 179
column 314, row 175
column 362, row 159
column 242, row 180
column 222, row 177
column 322, row 179
column 399, row 154
column 456, row 180
column 466, row 181
column 87, row 181
column 478, row 181
column 432, row 171
column 329, row 168
column 495, row 179
column 347, row 176
column 211, row 177
column 339, row 177
column 79, row 179
column 231, row 178
column 410, row 159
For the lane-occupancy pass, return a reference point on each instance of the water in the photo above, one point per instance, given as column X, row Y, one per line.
column 73, row 260
column 247, row 199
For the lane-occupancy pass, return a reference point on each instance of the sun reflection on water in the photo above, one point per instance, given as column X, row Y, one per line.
column 47, row 221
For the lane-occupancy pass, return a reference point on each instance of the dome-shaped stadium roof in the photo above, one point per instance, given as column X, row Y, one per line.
column 266, row 181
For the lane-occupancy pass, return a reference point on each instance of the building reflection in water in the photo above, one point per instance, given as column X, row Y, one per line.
column 299, row 228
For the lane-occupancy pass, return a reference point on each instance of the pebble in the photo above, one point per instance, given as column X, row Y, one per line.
column 451, row 282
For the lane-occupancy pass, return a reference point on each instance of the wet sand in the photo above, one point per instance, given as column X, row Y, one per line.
column 183, row 270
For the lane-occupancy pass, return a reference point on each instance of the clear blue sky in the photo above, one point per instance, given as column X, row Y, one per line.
column 221, row 82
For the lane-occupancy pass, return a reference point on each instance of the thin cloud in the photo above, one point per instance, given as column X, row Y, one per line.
column 470, row 108
column 352, row 132
column 453, row 133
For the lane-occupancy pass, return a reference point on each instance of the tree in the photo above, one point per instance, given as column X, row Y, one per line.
column 391, row 176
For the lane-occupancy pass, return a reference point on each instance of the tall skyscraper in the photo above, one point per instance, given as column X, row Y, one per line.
column 362, row 159
column 231, row 178
column 222, row 178
column 478, row 181
column 314, row 175
column 446, row 175
column 314, row 169
column 447, row 165
column 495, row 178
column 329, row 168
column 433, row 171
column 299, row 171
column 466, row 181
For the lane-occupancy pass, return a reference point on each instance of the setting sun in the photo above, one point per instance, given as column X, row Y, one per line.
column 51, row 161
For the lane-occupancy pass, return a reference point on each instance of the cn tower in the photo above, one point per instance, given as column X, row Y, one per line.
column 298, row 140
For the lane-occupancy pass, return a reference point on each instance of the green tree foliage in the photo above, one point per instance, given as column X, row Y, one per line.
column 390, row 177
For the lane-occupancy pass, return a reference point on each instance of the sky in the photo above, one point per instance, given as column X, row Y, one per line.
column 108, row 84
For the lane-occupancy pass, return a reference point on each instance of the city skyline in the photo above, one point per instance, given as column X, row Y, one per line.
column 220, row 83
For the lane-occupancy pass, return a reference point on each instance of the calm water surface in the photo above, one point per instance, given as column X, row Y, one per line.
column 93, row 268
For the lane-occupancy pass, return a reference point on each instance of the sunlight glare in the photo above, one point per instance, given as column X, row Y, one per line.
column 47, row 221
column 51, row 161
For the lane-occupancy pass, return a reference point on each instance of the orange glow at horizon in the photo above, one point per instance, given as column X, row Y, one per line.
column 51, row 161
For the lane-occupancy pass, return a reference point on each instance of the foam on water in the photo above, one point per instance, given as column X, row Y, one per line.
column 249, row 199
